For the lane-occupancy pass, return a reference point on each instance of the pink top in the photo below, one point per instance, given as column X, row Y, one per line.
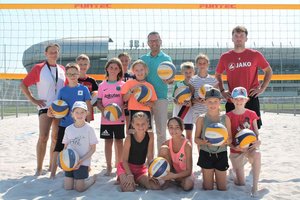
column 110, row 92
column 179, row 158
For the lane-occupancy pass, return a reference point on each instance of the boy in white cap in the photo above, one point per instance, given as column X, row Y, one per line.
column 243, row 118
column 81, row 137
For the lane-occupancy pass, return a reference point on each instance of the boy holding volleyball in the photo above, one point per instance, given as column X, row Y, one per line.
column 84, row 63
column 183, row 109
column 70, row 93
column 81, row 137
column 213, row 160
column 243, row 118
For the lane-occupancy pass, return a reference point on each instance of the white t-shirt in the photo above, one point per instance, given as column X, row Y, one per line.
column 80, row 139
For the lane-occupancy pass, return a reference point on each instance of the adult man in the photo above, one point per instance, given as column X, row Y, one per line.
column 160, row 107
column 241, row 65
column 49, row 77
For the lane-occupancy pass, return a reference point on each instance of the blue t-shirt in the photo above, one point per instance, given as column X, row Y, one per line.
column 160, row 87
column 70, row 95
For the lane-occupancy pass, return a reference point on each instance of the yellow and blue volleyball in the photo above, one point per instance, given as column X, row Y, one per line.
column 142, row 94
column 216, row 134
column 94, row 98
column 182, row 94
column 59, row 108
column 67, row 159
column 158, row 167
column 244, row 138
column 112, row 112
column 203, row 89
column 166, row 70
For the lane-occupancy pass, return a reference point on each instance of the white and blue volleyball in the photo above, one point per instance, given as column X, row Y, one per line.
column 244, row 138
column 59, row 108
column 182, row 94
column 67, row 159
column 216, row 134
column 158, row 167
column 166, row 70
column 112, row 112
column 203, row 89
column 142, row 94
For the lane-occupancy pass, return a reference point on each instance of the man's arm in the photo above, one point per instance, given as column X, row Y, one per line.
column 267, row 78
column 226, row 94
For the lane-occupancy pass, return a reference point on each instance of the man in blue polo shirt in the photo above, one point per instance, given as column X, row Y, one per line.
column 160, row 107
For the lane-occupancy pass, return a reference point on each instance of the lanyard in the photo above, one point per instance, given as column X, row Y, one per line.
column 55, row 79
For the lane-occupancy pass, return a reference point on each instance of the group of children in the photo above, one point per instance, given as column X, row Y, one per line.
column 134, row 155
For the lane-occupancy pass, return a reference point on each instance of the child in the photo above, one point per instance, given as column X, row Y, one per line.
column 212, row 160
column 197, row 81
column 140, row 70
column 137, row 147
column 81, row 137
column 125, row 60
column 109, row 91
column 184, row 110
column 178, row 152
column 70, row 93
column 242, row 118
column 84, row 63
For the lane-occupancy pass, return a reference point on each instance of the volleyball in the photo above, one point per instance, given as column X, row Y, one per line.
column 142, row 94
column 59, row 108
column 112, row 112
column 216, row 134
column 158, row 167
column 166, row 70
column 67, row 159
column 203, row 89
column 244, row 138
column 182, row 94
column 94, row 97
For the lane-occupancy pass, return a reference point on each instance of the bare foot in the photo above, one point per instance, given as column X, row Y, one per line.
column 254, row 192
column 39, row 172
column 108, row 171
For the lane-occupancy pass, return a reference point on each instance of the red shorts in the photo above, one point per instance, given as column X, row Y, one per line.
column 136, row 170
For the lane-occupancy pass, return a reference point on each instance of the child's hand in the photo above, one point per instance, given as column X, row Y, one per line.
column 170, row 81
column 187, row 103
column 50, row 112
column 78, row 165
column 169, row 176
column 129, row 182
column 254, row 145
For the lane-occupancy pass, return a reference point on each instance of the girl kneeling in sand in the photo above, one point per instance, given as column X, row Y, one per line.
column 178, row 152
column 137, row 147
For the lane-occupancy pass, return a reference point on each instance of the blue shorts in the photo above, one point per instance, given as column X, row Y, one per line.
column 81, row 173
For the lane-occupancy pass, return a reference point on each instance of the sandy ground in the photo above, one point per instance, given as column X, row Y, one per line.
column 280, row 177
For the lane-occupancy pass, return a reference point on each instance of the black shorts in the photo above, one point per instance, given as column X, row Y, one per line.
column 217, row 161
column 112, row 131
column 126, row 112
column 59, row 146
column 42, row 111
column 252, row 104
column 148, row 113
column 81, row 173
column 188, row 127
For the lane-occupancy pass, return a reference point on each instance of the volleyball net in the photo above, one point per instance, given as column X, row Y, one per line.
column 102, row 31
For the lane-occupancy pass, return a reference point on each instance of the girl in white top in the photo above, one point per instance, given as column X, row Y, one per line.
column 81, row 137
column 197, row 81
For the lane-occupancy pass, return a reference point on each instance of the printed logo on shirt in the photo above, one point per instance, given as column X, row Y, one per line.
column 233, row 66
column 110, row 96
column 105, row 133
column 118, row 88
column 80, row 93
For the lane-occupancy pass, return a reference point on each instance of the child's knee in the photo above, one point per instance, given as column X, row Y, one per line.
column 188, row 185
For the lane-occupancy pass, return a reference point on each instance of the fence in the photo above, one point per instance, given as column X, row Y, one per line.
column 18, row 108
